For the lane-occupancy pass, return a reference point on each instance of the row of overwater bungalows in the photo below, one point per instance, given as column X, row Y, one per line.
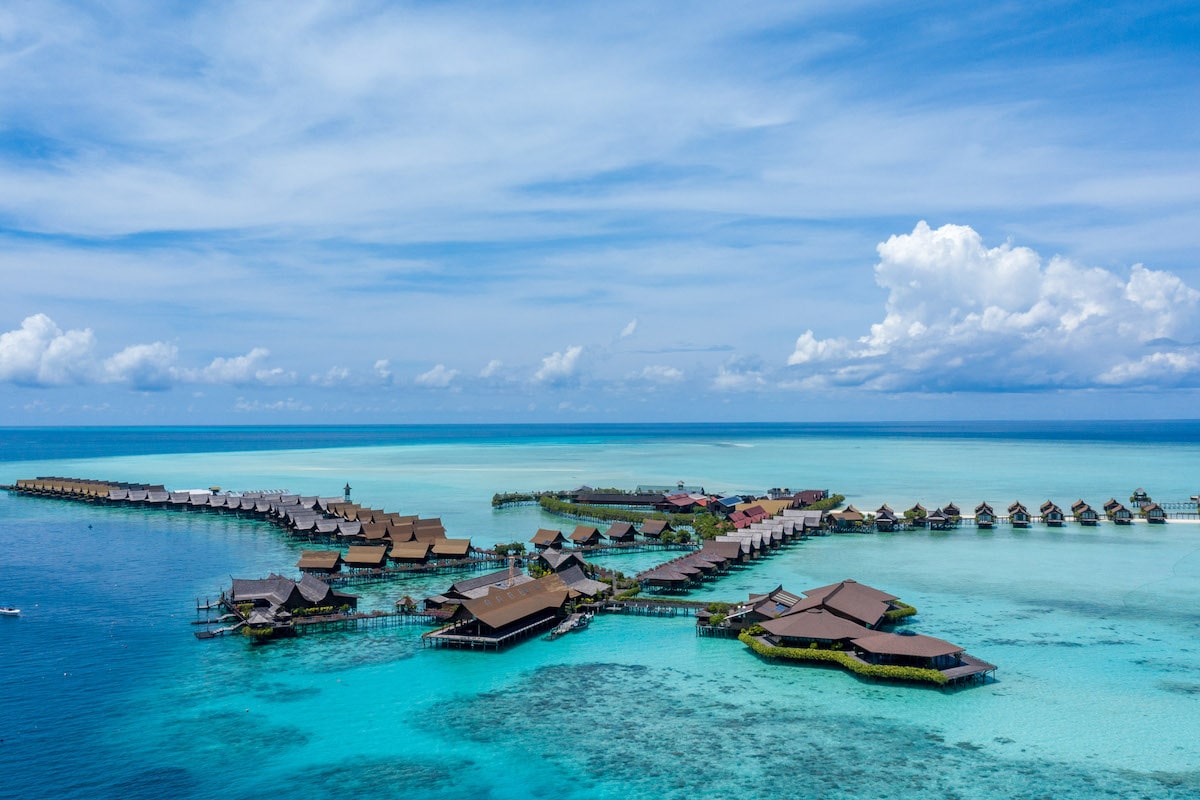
column 716, row 556
column 1018, row 515
column 374, row 538
column 585, row 536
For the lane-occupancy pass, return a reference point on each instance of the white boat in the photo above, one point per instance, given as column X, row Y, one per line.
column 9, row 611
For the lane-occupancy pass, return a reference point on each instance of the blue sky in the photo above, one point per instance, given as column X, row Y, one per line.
column 386, row 212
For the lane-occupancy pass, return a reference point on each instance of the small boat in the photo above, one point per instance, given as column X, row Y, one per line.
column 9, row 611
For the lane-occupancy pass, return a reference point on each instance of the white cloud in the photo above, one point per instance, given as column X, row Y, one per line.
column 558, row 366
column 383, row 369
column 491, row 369
column 145, row 367
column 39, row 353
column 658, row 373
column 244, row 370
column 628, row 330
column 960, row 316
column 438, row 377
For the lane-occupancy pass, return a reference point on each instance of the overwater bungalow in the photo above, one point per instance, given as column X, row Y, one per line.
column 908, row 650
column 952, row 512
column 937, row 520
column 1052, row 515
column 1139, row 498
column 730, row 551
column 916, row 515
column 655, row 528
column 585, row 536
column 400, row 531
column 276, row 592
column 410, row 552
column 1018, row 514
column 985, row 516
column 320, row 562
column 503, row 615
column 1083, row 513
column 1154, row 513
column 546, row 537
column 429, row 529
column 620, row 532
column 665, row 578
column 886, row 519
column 374, row 531
column 848, row 518
column 365, row 557
column 1118, row 513
column 451, row 548
column 559, row 560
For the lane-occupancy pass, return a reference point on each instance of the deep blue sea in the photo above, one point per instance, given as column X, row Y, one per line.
column 1096, row 632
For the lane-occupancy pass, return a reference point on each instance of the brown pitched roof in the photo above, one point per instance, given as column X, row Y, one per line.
column 409, row 551
column 451, row 547
column 814, row 623
column 584, row 533
column 655, row 527
column 502, row 607
column 917, row 645
column 319, row 559
column 620, row 530
column 856, row 601
column 546, row 536
column 365, row 556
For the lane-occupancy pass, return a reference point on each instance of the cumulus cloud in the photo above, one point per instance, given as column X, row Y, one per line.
column 657, row 373
column 383, row 369
column 559, row 366
column 628, row 330
column 491, row 369
column 439, row 377
column 962, row 316
column 145, row 367
column 39, row 353
column 244, row 370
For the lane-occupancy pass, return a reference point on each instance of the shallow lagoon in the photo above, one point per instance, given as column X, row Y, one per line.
column 1095, row 633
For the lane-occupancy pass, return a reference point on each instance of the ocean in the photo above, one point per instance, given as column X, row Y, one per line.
column 1095, row 631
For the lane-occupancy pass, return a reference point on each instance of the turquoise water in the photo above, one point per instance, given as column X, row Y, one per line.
column 1095, row 632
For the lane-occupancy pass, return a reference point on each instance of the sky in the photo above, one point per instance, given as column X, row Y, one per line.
column 338, row 213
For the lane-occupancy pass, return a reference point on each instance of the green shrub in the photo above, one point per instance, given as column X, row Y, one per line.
column 716, row 619
column 905, row 610
column 886, row 672
column 833, row 501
